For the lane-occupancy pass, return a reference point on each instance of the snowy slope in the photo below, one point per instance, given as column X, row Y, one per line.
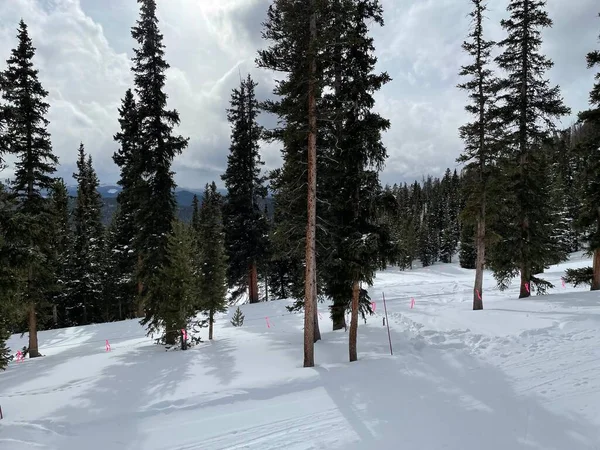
column 522, row 374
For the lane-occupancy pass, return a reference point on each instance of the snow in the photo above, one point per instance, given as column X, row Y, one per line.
column 521, row 374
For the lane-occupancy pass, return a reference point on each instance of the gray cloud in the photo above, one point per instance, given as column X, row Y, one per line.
column 84, row 49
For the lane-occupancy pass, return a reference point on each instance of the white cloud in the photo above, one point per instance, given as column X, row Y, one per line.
column 84, row 49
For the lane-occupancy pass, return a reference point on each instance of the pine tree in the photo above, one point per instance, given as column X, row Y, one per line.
column 85, row 293
column 245, row 223
column 590, row 150
column 28, row 139
column 9, row 276
column 124, row 248
column 480, row 136
column 62, row 238
column 213, row 276
column 352, row 188
column 174, row 287
column 527, row 109
column 157, row 148
column 291, row 27
column 238, row 318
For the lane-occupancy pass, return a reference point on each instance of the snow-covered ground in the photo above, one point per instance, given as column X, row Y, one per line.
column 522, row 374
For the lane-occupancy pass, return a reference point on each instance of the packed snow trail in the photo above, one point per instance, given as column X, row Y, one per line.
column 518, row 375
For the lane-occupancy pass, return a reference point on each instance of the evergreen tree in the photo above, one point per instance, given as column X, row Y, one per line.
column 28, row 139
column 352, row 188
column 480, row 136
column 590, row 150
column 528, row 108
column 238, row 318
column 195, row 215
column 291, row 26
column 124, row 248
column 245, row 223
column 62, row 237
column 85, row 293
column 157, row 148
column 213, row 277
column 10, row 278
column 174, row 287
column 468, row 252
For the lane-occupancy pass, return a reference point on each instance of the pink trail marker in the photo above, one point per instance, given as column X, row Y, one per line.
column 563, row 282
column 373, row 306
column 107, row 346
column 268, row 323
column 20, row 356
column 527, row 287
column 412, row 303
column 184, row 334
column 478, row 294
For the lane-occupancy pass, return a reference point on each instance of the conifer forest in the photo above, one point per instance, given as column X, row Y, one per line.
column 525, row 192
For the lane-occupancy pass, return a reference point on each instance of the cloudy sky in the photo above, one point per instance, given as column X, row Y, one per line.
column 84, row 50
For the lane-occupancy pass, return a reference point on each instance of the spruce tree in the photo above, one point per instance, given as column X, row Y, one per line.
column 245, row 223
column 85, row 293
column 291, row 26
column 480, row 137
column 9, row 275
column 238, row 318
column 213, row 276
column 528, row 108
column 62, row 254
column 352, row 188
column 590, row 151
column 28, row 139
column 158, row 145
column 124, row 248
column 174, row 287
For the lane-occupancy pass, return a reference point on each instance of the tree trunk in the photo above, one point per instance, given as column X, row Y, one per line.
column 211, row 319
column 140, row 290
column 55, row 315
column 33, row 338
column 354, row 321
column 596, row 272
column 480, row 262
column 317, row 330
column 253, row 283
column 311, row 225
column 338, row 316
column 266, row 287
column 525, row 279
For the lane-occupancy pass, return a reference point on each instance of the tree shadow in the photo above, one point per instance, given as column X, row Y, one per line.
column 106, row 414
column 426, row 398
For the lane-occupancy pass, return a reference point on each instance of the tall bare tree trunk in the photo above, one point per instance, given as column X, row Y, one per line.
column 253, row 283
column 311, row 225
column 525, row 279
column 480, row 261
column 266, row 287
column 354, row 321
column 33, row 338
column 317, row 330
column 596, row 273
column 211, row 317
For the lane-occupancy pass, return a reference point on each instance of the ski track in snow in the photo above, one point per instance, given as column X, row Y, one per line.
column 522, row 374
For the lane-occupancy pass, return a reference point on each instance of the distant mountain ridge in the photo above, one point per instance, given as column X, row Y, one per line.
column 183, row 196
